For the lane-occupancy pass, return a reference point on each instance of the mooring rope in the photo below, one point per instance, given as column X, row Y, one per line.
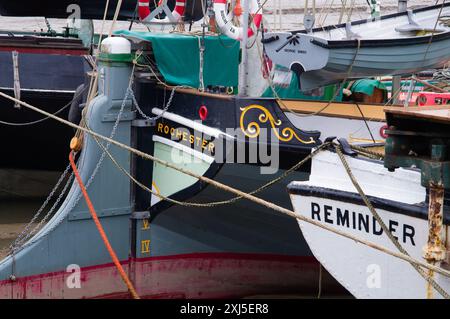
column 20, row 243
column 217, row 203
column 101, row 230
column 229, row 189
column 367, row 152
column 77, row 95
column 383, row 225
column 295, row 167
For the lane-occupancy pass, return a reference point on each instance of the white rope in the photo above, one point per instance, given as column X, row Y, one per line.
column 103, row 24
column 116, row 15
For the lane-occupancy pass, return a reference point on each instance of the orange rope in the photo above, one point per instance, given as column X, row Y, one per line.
column 101, row 230
column 238, row 9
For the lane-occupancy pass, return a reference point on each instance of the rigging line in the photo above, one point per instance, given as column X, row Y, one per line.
column 338, row 89
column 383, row 225
column 135, row 13
column 92, row 84
column 365, row 121
column 350, row 12
column 321, row 11
column 45, row 118
column 432, row 33
column 335, row 25
column 103, row 24
column 77, row 199
column 254, row 41
column 212, row 204
column 116, row 15
column 343, row 9
column 217, row 203
column 230, row 189
column 394, row 95
column 260, row 7
column 324, row 18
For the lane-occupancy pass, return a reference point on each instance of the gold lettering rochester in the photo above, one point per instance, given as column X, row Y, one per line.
column 185, row 136
column 211, row 147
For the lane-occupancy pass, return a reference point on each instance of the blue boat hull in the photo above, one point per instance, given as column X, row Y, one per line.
column 234, row 249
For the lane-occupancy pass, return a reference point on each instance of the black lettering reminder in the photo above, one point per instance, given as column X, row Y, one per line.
column 363, row 222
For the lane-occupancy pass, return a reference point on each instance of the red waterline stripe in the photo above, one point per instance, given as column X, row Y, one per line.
column 45, row 51
column 239, row 256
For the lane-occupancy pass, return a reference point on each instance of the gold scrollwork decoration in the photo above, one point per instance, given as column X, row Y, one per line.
column 253, row 129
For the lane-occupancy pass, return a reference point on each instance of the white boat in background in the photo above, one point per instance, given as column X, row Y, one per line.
column 416, row 139
column 394, row 44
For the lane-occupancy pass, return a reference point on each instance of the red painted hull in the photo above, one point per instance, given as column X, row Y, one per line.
column 206, row 275
column 51, row 51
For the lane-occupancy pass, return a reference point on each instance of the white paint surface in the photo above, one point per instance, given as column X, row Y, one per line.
column 364, row 271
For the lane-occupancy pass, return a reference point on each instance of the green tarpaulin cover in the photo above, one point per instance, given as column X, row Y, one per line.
column 178, row 58
column 366, row 86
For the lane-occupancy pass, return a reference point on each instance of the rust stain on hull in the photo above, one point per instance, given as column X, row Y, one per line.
column 435, row 251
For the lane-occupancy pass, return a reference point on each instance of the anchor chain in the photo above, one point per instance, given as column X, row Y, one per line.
column 25, row 234
column 21, row 244
column 165, row 108
column 217, row 203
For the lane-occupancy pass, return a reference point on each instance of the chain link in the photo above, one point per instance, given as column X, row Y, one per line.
column 49, row 213
column 231, row 190
column 24, row 232
column 77, row 95
column 165, row 108
column 224, row 202
column 21, row 244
